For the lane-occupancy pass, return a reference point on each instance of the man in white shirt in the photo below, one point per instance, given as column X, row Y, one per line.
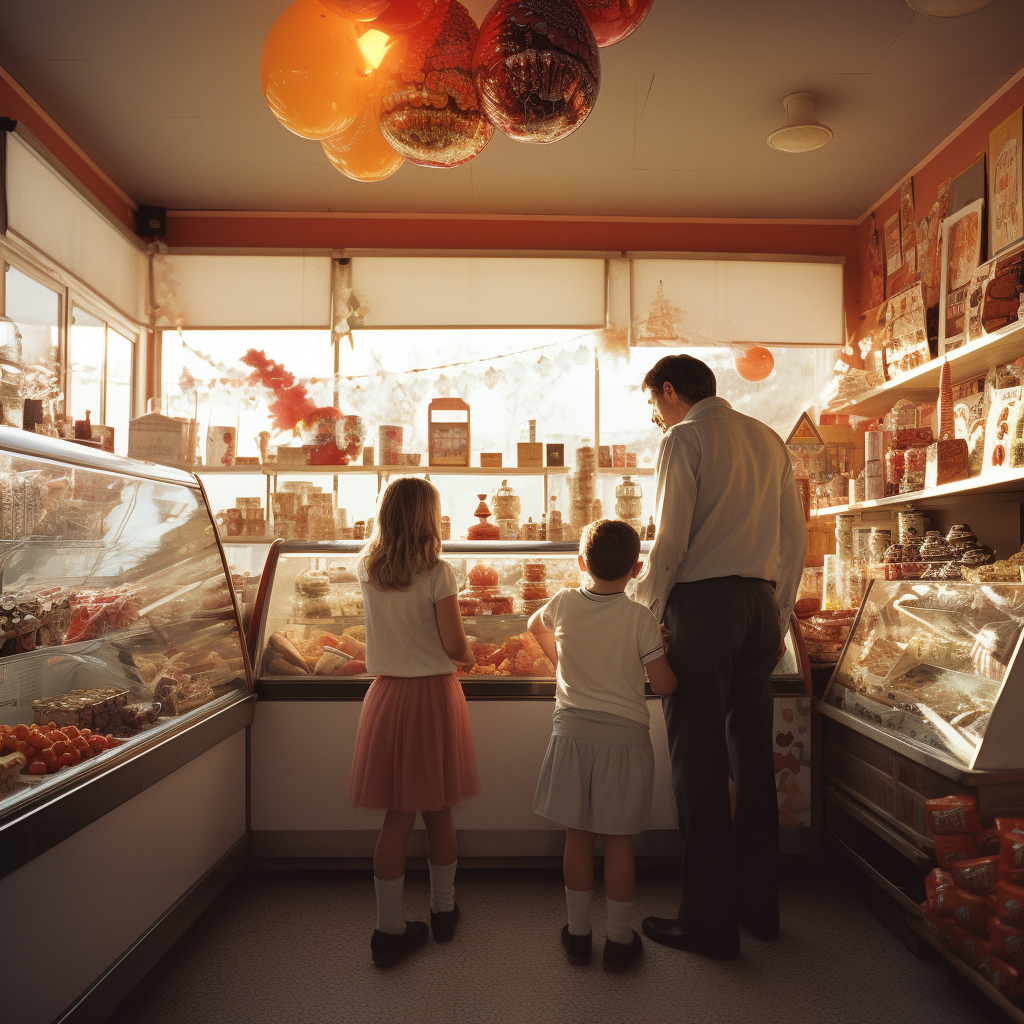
column 722, row 576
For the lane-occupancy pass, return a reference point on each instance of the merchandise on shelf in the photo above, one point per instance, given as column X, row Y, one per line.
column 483, row 530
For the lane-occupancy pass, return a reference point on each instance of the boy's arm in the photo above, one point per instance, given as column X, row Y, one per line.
column 661, row 677
column 544, row 636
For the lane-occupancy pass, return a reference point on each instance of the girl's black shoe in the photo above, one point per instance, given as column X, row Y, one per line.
column 577, row 947
column 442, row 923
column 387, row 949
column 619, row 955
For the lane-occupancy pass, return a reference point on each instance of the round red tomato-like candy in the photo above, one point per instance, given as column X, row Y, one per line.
column 536, row 68
column 755, row 364
column 70, row 731
column 612, row 20
column 21, row 732
column 48, row 756
column 36, row 768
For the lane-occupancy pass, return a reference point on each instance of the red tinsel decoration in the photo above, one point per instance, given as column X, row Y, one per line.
column 292, row 404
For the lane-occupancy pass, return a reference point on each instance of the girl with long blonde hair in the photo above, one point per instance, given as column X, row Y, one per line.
column 414, row 749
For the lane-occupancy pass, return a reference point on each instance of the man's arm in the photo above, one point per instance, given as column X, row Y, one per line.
column 792, row 548
column 676, row 498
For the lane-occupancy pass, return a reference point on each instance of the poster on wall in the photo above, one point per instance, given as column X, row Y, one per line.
column 933, row 248
column 967, row 187
column 876, row 263
column 908, row 230
column 893, row 250
column 961, row 255
column 1006, row 219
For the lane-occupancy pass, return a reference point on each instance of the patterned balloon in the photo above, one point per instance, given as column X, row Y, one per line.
column 314, row 76
column 613, row 20
column 536, row 68
column 755, row 363
column 428, row 108
column 362, row 153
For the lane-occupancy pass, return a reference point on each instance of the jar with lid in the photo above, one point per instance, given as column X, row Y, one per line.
column 844, row 536
column 914, row 461
column 878, row 543
column 506, row 507
column 894, row 469
column 628, row 503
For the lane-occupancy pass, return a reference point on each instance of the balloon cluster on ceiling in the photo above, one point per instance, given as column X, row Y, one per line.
column 379, row 82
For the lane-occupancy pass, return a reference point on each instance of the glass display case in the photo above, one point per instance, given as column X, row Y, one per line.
column 936, row 665
column 118, row 623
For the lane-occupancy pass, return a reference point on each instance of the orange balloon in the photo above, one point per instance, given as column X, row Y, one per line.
column 362, row 153
column 390, row 16
column 358, row 10
column 315, row 77
column 755, row 364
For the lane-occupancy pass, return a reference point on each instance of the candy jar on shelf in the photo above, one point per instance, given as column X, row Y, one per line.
column 629, row 503
column 483, row 530
column 507, row 508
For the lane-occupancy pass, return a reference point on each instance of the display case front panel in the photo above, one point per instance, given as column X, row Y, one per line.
column 934, row 664
column 117, row 620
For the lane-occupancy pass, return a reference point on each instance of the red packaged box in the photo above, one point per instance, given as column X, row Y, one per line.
column 1011, row 850
column 977, row 875
column 974, row 949
column 987, row 843
column 1009, row 824
column 943, row 928
column 939, row 887
column 1005, row 977
column 972, row 910
column 1010, row 903
column 947, row 815
column 1007, row 941
column 950, row 849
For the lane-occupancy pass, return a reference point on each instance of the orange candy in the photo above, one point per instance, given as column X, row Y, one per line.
column 362, row 153
column 315, row 78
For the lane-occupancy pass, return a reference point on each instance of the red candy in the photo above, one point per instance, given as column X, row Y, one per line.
column 1005, row 977
column 974, row 949
column 1010, row 903
column 948, row 815
column 1007, row 941
column 950, row 849
column 977, row 875
column 972, row 910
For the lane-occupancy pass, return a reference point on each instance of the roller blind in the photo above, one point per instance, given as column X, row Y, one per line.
column 51, row 215
column 753, row 302
column 250, row 291
column 457, row 291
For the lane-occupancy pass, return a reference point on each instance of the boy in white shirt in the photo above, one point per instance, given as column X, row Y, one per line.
column 598, row 772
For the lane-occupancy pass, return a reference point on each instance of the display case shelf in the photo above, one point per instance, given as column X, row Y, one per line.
column 503, row 471
column 921, row 384
column 1009, row 482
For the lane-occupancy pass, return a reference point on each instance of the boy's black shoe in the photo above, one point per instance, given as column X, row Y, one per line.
column 619, row 955
column 669, row 932
column 387, row 949
column 442, row 923
column 577, row 947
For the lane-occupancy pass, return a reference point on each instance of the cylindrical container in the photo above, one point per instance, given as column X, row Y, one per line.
column 878, row 543
column 861, row 545
column 911, row 526
column 389, row 444
column 914, row 460
column 856, row 490
column 844, row 536
column 368, row 456
column 894, row 469
column 874, row 485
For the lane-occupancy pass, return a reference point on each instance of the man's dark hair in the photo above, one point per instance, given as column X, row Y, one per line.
column 692, row 379
column 610, row 549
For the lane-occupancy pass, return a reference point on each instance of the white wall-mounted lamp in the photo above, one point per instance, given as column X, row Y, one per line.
column 801, row 132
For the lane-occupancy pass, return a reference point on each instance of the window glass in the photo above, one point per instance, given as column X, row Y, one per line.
column 118, row 413
column 36, row 310
column 86, row 345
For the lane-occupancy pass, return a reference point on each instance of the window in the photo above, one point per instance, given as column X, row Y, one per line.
column 36, row 309
column 101, row 362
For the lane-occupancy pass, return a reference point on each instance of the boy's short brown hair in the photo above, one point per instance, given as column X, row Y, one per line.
column 610, row 548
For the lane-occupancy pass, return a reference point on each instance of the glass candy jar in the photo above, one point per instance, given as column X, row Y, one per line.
column 914, row 460
column 629, row 503
column 506, row 507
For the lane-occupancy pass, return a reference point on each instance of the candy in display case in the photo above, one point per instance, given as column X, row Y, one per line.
column 118, row 622
column 937, row 664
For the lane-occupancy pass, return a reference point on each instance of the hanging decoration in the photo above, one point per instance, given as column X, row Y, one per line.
column 315, row 76
column 362, row 153
column 612, row 20
column 536, row 68
column 755, row 364
column 427, row 104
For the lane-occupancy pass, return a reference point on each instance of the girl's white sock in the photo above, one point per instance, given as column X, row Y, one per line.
column 390, row 917
column 619, row 917
column 442, row 886
column 579, row 910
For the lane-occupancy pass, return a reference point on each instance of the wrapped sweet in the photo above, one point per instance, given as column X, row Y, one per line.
column 482, row 575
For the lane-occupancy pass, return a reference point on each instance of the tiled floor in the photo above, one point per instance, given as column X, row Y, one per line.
column 293, row 948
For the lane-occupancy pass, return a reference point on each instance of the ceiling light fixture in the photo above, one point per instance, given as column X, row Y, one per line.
column 947, row 8
column 801, row 133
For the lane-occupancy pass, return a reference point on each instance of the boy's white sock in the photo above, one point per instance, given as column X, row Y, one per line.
column 579, row 910
column 442, row 886
column 619, row 917
column 390, row 917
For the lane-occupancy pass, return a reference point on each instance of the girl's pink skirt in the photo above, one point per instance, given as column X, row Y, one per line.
column 414, row 746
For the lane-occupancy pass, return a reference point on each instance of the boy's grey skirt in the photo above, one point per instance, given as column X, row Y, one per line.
column 598, row 773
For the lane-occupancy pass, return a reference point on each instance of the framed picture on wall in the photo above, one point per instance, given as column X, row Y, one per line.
column 961, row 255
column 1006, row 218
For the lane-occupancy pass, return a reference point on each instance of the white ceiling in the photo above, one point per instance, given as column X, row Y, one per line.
column 164, row 95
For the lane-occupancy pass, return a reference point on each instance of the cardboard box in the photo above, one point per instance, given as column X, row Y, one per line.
column 448, row 433
column 556, row 454
column 490, row 460
column 530, row 455
column 154, row 437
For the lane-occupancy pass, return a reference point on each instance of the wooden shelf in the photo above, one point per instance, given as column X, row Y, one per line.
column 626, row 471
column 274, row 470
column 1004, row 483
column 922, row 383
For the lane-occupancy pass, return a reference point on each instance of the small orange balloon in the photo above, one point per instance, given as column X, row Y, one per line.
column 315, row 77
column 357, row 10
column 362, row 153
column 755, row 364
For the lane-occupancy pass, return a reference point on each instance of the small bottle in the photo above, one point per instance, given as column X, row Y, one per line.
column 651, row 529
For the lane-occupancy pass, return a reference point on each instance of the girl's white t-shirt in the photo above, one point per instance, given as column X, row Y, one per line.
column 402, row 638
column 604, row 641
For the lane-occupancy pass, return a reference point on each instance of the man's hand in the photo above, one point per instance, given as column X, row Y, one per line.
column 666, row 636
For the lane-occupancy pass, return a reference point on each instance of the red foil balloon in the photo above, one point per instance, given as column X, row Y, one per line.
column 613, row 20
column 536, row 68
column 362, row 153
column 428, row 108
column 755, row 364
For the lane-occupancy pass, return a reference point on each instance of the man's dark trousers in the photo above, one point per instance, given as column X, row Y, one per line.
column 724, row 646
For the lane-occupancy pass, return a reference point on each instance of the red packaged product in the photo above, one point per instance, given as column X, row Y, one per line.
column 972, row 910
column 1013, row 877
column 950, row 849
column 943, row 928
column 1007, row 941
column 483, row 576
column 939, row 887
column 948, row 815
column 974, row 949
column 987, row 842
column 1005, row 977
column 1009, row 824
column 1011, row 850
column 977, row 875
column 1010, row 903
column 534, row 571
